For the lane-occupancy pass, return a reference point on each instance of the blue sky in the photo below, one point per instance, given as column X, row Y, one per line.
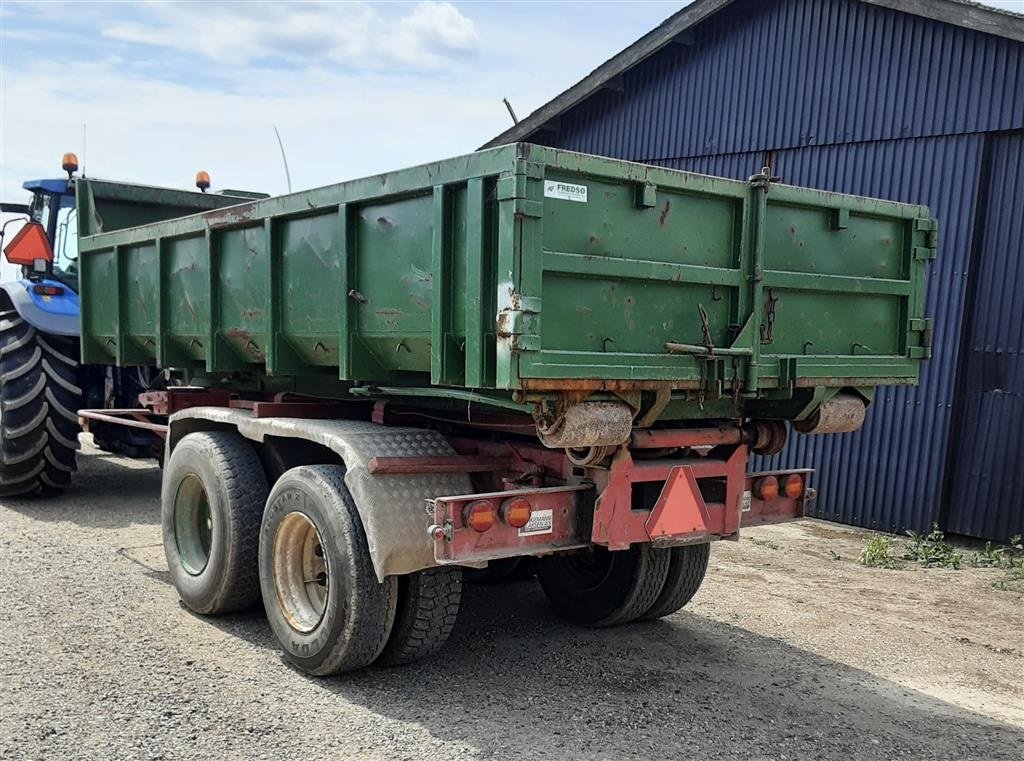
column 166, row 88
column 354, row 88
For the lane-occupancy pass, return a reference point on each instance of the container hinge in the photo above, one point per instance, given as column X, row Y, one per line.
column 920, row 338
column 930, row 228
column 517, row 323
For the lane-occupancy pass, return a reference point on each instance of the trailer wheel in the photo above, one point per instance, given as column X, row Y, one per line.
column 39, row 402
column 428, row 604
column 686, row 571
column 324, row 603
column 212, row 498
column 601, row 588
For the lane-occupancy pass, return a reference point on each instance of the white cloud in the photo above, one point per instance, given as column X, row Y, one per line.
column 432, row 35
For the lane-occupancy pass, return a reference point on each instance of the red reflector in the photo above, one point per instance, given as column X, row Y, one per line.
column 47, row 290
column 766, row 488
column 793, row 486
column 517, row 511
column 29, row 245
column 479, row 515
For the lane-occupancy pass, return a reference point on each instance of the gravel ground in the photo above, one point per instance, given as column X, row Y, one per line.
column 790, row 651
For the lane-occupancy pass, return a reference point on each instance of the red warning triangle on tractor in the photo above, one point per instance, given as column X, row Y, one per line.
column 29, row 245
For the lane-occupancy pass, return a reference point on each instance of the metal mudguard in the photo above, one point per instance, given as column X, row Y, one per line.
column 392, row 507
column 57, row 315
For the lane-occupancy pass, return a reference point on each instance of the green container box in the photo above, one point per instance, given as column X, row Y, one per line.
column 524, row 268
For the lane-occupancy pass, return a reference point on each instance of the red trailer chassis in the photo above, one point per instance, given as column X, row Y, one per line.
column 665, row 487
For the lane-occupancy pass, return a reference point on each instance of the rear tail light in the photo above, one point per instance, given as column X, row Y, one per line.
column 766, row 488
column 793, row 486
column 47, row 290
column 480, row 515
column 516, row 511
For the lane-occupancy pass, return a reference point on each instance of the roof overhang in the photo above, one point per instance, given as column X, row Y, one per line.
column 963, row 13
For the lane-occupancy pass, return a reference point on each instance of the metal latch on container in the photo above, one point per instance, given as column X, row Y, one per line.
column 923, row 327
column 517, row 323
column 931, row 238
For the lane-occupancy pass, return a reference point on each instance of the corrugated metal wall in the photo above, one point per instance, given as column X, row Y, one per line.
column 987, row 443
column 857, row 99
column 788, row 73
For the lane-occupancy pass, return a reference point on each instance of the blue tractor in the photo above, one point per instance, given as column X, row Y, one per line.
column 42, row 383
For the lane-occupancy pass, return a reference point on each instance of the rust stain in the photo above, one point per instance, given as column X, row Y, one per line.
column 233, row 215
column 575, row 384
column 664, row 213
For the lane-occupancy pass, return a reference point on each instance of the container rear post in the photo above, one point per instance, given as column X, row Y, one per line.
column 476, row 253
column 759, row 185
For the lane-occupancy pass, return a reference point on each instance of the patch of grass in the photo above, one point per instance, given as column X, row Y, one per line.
column 768, row 543
column 877, row 552
column 1013, row 581
column 931, row 550
column 1006, row 556
column 1009, row 557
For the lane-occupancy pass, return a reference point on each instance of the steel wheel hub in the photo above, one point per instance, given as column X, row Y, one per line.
column 193, row 525
column 302, row 575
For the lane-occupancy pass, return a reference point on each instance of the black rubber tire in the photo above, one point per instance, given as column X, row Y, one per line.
column 428, row 604
column 39, row 401
column 601, row 588
column 234, row 487
column 359, row 610
column 686, row 571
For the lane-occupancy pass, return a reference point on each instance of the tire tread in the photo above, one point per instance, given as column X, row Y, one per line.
column 39, row 400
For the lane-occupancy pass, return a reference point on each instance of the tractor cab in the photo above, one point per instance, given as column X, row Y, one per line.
column 61, row 210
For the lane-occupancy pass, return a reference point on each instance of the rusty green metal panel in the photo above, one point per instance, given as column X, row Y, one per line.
column 524, row 267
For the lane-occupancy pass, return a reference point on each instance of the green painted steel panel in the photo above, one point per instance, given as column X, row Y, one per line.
column 524, row 267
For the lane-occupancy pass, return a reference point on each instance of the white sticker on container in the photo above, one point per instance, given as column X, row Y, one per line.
column 565, row 190
column 745, row 502
column 541, row 522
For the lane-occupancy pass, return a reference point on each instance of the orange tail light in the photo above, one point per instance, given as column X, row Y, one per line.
column 517, row 511
column 480, row 515
column 793, row 486
column 766, row 488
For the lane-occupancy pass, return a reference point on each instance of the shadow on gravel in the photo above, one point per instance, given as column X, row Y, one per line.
column 516, row 681
column 108, row 492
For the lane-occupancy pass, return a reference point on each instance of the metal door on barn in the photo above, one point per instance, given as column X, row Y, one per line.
column 985, row 480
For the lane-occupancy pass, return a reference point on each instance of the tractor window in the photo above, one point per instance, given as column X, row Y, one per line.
column 65, row 238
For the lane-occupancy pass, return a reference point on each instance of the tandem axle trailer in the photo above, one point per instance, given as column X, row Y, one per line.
column 359, row 391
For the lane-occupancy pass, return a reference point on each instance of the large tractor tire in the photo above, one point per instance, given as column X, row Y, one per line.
column 213, row 494
column 40, row 397
column 597, row 588
column 323, row 600
column 686, row 571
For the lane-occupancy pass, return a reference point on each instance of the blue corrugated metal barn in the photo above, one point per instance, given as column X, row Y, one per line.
column 911, row 100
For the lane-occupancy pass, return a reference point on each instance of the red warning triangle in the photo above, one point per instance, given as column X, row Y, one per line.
column 29, row 245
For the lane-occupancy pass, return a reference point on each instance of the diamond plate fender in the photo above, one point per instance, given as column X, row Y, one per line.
column 392, row 507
